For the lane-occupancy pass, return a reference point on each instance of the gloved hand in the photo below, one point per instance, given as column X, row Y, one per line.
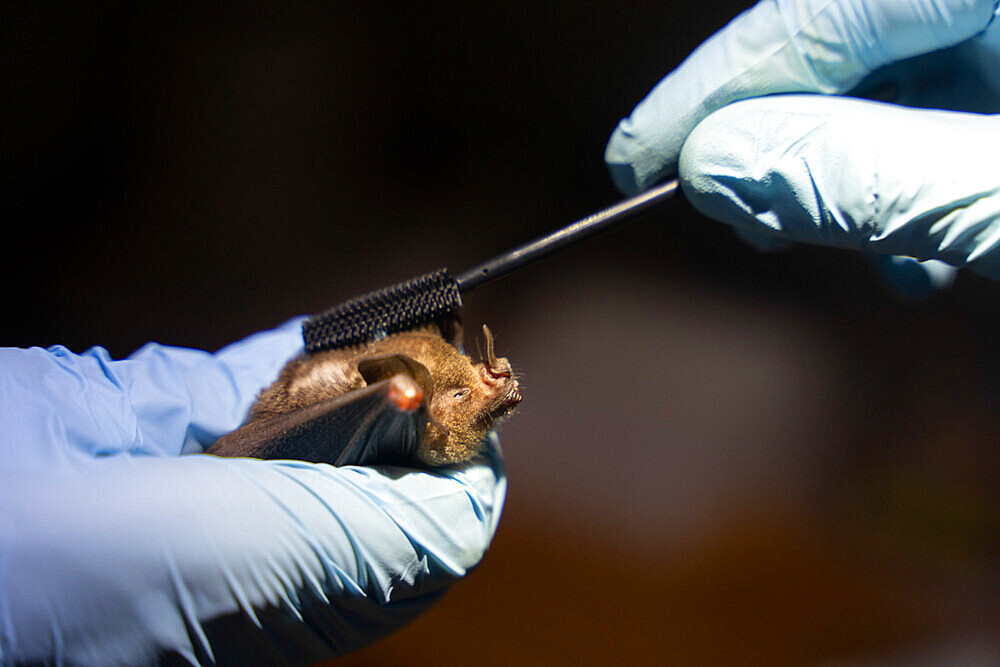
column 916, row 178
column 115, row 549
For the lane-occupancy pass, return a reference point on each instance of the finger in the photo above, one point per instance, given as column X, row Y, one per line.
column 160, row 401
column 852, row 173
column 914, row 280
column 776, row 47
column 116, row 560
column 961, row 78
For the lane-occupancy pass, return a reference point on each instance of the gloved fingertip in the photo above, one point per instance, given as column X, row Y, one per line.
column 940, row 274
column 718, row 142
column 718, row 173
column 912, row 279
column 633, row 166
column 624, row 178
column 618, row 155
column 761, row 242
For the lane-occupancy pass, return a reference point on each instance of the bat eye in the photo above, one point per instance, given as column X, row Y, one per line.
column 461, row 393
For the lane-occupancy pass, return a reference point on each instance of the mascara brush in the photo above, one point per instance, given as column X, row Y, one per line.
column 435, row 295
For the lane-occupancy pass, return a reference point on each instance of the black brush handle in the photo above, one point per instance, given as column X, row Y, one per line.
column 510, row 261
column 437, row 295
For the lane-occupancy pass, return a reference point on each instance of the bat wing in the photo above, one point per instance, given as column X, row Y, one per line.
column 372, row 425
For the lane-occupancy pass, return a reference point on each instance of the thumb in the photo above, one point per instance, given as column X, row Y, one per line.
column 851, row 173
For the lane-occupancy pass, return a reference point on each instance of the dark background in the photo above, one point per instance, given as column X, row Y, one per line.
column 722, row 456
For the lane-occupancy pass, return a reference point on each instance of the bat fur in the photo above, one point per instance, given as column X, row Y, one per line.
column 466, row 401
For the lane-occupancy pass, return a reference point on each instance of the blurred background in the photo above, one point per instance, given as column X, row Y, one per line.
column 722, row 457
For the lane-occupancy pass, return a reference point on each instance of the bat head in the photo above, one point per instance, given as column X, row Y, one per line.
column 466, row 399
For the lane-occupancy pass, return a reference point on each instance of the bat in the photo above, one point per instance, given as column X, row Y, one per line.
column 411, row 399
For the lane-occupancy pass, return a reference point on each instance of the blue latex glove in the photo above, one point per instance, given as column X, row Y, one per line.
column 916, row 178
column 115, row 549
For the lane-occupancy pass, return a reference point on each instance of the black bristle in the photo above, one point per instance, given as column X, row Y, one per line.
column 396, row 308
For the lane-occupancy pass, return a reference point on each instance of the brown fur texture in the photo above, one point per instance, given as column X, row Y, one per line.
column 466, row 402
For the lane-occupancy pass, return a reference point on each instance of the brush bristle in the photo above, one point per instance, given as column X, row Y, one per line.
column 396, row 308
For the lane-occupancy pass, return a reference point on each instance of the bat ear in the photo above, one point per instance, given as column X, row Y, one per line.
column 376, row 369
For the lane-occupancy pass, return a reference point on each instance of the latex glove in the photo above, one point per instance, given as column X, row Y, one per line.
column 895, row 179
column 116, row 550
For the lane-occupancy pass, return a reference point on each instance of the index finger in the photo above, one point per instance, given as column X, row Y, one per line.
column 782, row 46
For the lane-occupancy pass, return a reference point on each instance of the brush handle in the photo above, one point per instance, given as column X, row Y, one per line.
column 426, row 298
column 503, row 264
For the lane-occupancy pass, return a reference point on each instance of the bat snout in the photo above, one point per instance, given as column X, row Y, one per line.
column 502, row 391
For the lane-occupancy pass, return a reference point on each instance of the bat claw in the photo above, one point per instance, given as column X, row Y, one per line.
column 405, row 393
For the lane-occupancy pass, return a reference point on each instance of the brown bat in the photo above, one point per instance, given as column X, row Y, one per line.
column 410, row 398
